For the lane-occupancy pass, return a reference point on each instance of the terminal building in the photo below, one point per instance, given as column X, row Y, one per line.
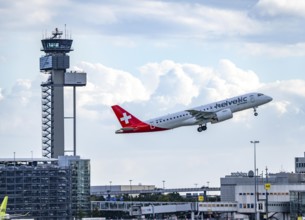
column 240, row 188
column 237, row 199
column 120, row 189
column 279, row 196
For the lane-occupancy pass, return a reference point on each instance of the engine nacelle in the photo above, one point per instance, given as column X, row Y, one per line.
column 222, row 115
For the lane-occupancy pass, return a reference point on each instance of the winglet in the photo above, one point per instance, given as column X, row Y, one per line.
column 3, row 207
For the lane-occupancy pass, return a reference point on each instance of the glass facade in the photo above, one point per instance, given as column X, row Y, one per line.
column 297, row 204
column 46, row 188
column 80, row 187
column 41, row 190
column 80, row 184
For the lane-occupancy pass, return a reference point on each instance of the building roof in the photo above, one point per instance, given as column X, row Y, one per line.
column 27, row 159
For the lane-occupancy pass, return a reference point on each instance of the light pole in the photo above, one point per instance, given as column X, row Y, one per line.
column 14, row 159
column 130, row 189
column 130, row 185
column 163, row 184
column 266, row 193
column 208, row 185
column 110, row 185
column 255, row 181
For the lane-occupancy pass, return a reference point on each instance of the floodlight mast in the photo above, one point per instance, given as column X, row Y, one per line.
column 255, row 179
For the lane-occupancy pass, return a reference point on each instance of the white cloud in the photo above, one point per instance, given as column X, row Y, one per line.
column 19, row 108
column 123, row 20
column 160, row 18
column 31, row 13
column 225, row 81
column 22, row 91
column 167, row 84
column 281, row 106
column 175, row 87
column 107, row 86
column 289, row 96
column 275, row 50
column 282, row 7
column 236, row 80
column 293, row 87
column 1, row 95
column 223, row 22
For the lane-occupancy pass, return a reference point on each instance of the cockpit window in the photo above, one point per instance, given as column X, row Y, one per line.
column 260, row 94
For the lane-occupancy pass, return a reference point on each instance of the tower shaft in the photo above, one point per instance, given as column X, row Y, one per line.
column 58, row 123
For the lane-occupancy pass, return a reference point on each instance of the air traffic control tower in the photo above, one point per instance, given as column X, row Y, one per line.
column 55, row 63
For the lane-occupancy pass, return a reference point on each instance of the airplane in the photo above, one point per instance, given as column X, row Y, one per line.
column 211, row 113
column 3, row 214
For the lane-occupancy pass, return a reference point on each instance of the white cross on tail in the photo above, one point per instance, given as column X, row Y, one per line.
column 125, row 118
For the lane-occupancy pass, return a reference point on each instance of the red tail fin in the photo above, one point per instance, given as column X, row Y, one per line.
column 125, row 118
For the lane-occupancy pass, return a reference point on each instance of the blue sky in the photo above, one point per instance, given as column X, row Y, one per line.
column 154, row 58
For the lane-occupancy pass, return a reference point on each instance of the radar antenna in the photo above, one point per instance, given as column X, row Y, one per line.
column 56, row 33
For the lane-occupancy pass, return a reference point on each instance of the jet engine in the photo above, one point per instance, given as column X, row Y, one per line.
column 222, row 115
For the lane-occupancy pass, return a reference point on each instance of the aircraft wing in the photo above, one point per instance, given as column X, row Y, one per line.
column 201, row 115
column 15, row 216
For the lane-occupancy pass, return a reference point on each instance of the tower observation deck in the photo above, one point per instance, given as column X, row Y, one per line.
column 55, row 62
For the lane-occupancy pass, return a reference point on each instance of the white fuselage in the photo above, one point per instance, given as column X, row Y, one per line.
column 185, row 118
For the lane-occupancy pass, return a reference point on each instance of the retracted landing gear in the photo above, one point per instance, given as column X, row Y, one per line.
column 255, row 113
column 201, row 128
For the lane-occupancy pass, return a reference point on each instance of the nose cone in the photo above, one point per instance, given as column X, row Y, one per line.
column 268, row 98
